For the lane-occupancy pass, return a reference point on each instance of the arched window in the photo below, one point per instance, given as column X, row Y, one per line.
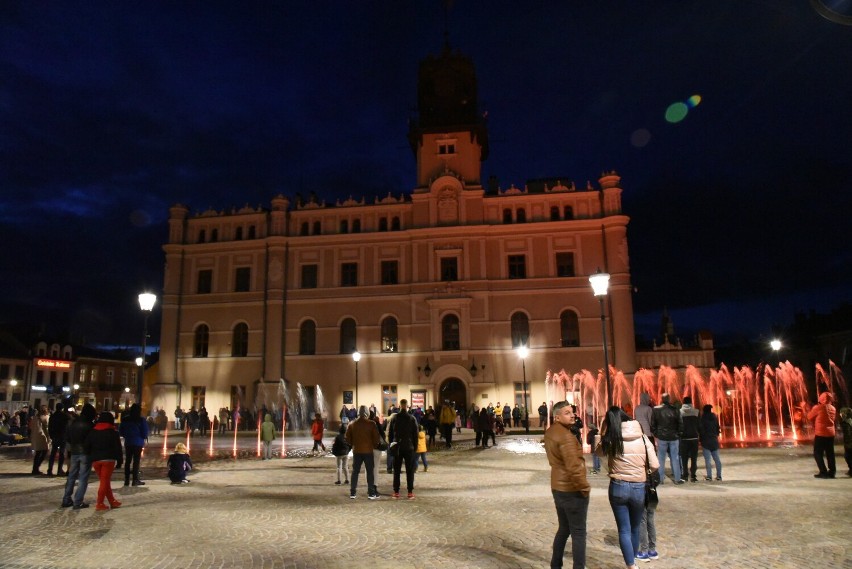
column 569, row 212
column 214, row 235
column 390, row 335
column 554, row 213
column 347, row 336
column 304, row 230
column 251, row 233
column 569, row 328
column 202, row 341
column 383, row 224
column 450, row 333
column 356, row 226
column 202, row 235
column 344, row 226
column 239, row 340
column 395, row 225
column 308, row 338
column 239, row 234
column 520, row 330
column 522, row 215
column 317, row 228
column 507, row 215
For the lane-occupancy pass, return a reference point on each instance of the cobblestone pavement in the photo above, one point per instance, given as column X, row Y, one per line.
column 474, row 508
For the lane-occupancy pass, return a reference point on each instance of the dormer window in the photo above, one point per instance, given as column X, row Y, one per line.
column 446, row 147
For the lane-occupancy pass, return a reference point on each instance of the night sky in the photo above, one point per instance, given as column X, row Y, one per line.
column 110, row 112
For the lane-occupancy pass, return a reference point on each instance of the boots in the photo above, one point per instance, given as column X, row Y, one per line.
column 137, row 482
column 127, row 480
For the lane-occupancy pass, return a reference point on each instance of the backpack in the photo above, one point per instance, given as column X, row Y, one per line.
column 340, row 447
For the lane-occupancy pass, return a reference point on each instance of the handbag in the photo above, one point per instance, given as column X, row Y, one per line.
column 651, row 481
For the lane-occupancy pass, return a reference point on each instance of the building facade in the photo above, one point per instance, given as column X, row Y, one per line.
column 435, row 288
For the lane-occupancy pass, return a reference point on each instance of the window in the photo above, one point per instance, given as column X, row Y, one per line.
column 389, row 397
column 344, row 226
column 205, row 282
column 83, row 374
column 507, row 215
column 349, row 274
column 198, row 397
column 565, row 265
column 520, row 330
column 569, row 329
column 4, row 371
column 554, row 213
column 239, row 234
column 569, row 212
column 395, row 225
column 94, row 375
column 65, row 378
column 202, row 236
column 40, row 377
column 520, row 400
column 449, row 269
column 383, row 224
column 446, row 149
column 390, row 335
column 243, row 278
column 52, row 378
column 517, row 266
column 390, row 272
column 304, row 229
column 522, row 215
column 356, row 226
column 309, row 276
column 110, row 375
column 308, row 338
column 214, row 235
column 252, row 232
column 347, row 336
column 202, row 340
column 450, row 332
column 317, row 228
column 239, row 340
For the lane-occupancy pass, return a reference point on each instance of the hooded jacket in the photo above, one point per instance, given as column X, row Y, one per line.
column 689, row 419
column 630, row 466
column 824, row 416
column 567, row 465
column 267, row 429
column 643, row 412
column 133, row 427
column 80, row 429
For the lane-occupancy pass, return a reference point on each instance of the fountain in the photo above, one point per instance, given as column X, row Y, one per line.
column 765, row 404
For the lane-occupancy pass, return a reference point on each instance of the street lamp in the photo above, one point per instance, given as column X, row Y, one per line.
column 523, row 352
column 14, row 384
column 776, row 345
column 356, row 357
column 600, row 286
column 146, row 303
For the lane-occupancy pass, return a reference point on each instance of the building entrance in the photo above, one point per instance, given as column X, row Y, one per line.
column 454, row 390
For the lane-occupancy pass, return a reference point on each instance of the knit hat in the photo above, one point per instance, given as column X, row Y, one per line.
column 106, row 417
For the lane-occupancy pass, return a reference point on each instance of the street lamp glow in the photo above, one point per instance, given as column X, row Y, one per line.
column 775, row 344
column 147, row 301
column 139, row 361
column 13, row 382
column 127, row 390
column 600, row 287
column 600, row 283
column 76, row 386
column 523, row 352
column 356, row 356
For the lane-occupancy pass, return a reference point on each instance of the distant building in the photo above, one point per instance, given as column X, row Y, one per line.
column 435, row 288
column 677, row 354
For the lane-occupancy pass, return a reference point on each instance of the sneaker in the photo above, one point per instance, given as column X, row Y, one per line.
column 101, row 507
column 338, row 482
column 820, row 475
column 346, row 482
column 67, row 504
column 708, row 478
column 138, row 483
column 395, row 496
column 80, row 506
column 719, row 478
column 115, row 504
column 411, row 495
column 352, row 496
column 373, row 497
column 693, row 479
column 679, row 481
column 652, row 554
column 184, row 481
column 643, row 556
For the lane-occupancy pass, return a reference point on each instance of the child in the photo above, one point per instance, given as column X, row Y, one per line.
column 648, row 532
column 590, row 440
column 421, row 449
column 267, row 435
column 340, row 449
column 316, row 431
column 179, row 464
column 458, row 422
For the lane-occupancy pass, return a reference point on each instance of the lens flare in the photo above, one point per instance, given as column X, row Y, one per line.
column 676, row 112
column 693, row 101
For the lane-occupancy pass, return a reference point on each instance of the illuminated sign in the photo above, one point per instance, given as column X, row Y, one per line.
column 54, row 364
column 39, row 388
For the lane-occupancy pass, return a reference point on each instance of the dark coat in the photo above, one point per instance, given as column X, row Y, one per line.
column 666, row 422
column 79, row 430
column 403, row 431
column 103, row 443
column 708, row 428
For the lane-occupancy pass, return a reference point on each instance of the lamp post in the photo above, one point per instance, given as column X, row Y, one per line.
column 776, row 345
column 600, row 287
column 14, row 384
column 356, row 357
column 523, row 352
column 146, row 303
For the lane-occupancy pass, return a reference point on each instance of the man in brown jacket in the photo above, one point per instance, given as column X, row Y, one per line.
column 363, row 436
column 568, row 484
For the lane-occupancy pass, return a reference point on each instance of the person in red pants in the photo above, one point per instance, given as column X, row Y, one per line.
column 103, row 447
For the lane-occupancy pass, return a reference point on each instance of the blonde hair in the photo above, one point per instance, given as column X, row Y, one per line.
column 181, row 448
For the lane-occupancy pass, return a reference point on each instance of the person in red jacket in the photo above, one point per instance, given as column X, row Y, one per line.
column 317, row 429
column 824, row 416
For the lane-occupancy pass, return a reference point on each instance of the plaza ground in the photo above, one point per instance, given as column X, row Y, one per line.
column 474, row 508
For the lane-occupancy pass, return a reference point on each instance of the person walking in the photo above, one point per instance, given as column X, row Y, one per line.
column 626, row 450
column 103, row 446
column 403, row 432
column 448, row 421
column 689, row 440
column 643, row 413
column 57, row 430
column 363, row 436
column 708, row 430
column 824, row 416
column 542, row 414
column 667, row 426
column 569, row 486
column 267, row 435
column 39, row 439
column 340, row 449
column 79, row 465
column 421, row 450
column 134, row 429
column 179, row 464
column 317, row 430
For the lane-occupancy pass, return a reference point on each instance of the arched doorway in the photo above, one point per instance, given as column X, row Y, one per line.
column 454, row 390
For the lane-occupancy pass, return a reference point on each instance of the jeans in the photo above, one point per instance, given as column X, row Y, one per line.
column 571, row 510
column 377, row 460
column 716, row 459
column 343, row 467
column 56, row 448
column 421, row 457
column 367, row 460
column 596, row 461
column 104, row 470
column 672, row 448
column 78, row 471
column 408, row 458
column 688, row 452
column 447, row 429
column 627, row 500
column 132, row 454
column 825, row 446
column 648, row 531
